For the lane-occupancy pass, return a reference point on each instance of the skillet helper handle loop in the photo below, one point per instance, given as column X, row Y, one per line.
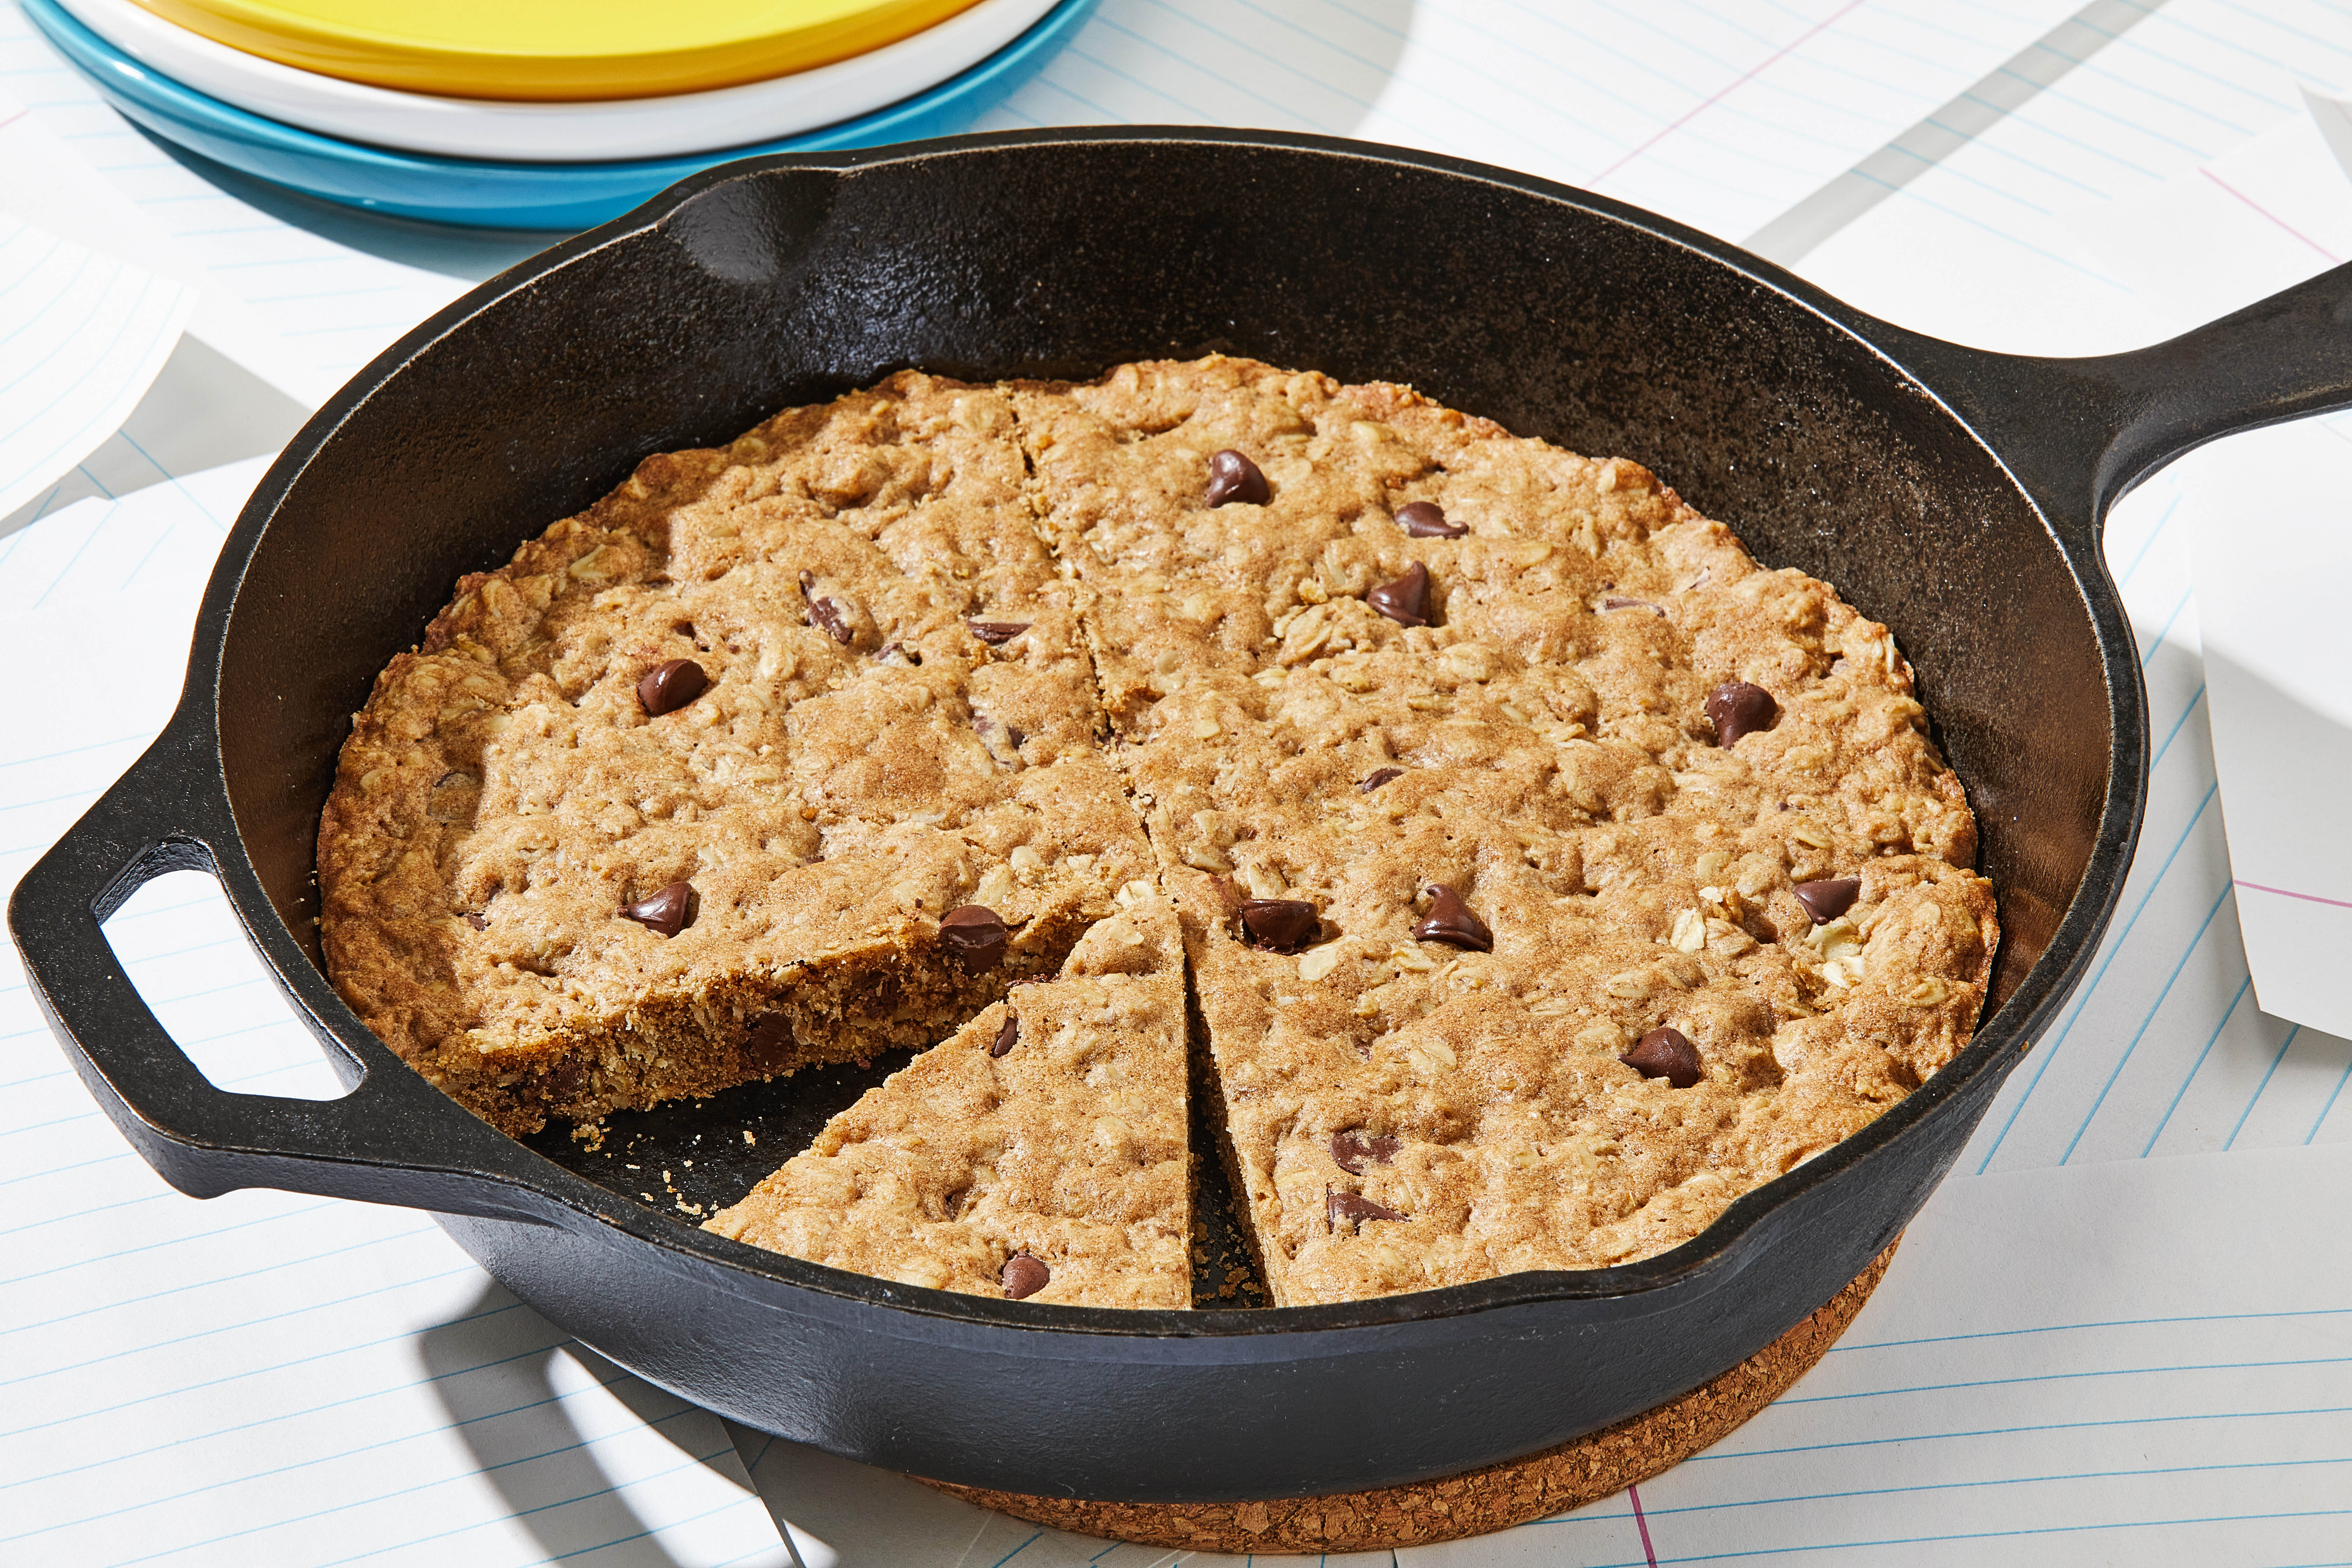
column 160, row 817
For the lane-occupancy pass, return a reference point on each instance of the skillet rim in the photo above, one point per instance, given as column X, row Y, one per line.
column 1726, row 1244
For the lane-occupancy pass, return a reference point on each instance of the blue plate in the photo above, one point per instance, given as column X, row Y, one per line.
column 506, row 195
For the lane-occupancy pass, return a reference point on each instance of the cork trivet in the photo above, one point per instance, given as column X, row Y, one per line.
column 1595, row 1466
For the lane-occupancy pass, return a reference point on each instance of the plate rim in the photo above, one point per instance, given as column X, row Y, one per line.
column 466, row 128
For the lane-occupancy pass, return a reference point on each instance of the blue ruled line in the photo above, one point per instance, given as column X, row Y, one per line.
column 2251, row 1103
column 2153, row 1008
column 2198, row 1065
column 2049, row 1051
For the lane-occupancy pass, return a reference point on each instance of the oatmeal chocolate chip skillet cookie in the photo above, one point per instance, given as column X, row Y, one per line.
column 1545, row 873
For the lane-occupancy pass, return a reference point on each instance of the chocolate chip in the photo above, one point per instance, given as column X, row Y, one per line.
column 1354, row 1149
column 1423, row 520
column 1233, row 476
column 1667, row 1054
column 1737, row 709
column 974, row 934
column 1025, row 1276
column 770, row 1044
column 1280, row 925
column 1352, row 1210
column 1450, row 921
column 996, row 634
column 479, row 922
column 1006, row 1038
column 564, row 1079
column 670, row 685
column 667, row 912
column 1378, row 777
column 892, row 653
column 1612, row 602
column 1828, row 898
column 1406, row 600
column 827, row 615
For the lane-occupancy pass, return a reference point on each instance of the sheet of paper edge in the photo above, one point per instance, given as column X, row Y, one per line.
column 2271, row 544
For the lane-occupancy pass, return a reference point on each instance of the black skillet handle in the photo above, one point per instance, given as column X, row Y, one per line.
column 2080, row 433
column 381, row 1143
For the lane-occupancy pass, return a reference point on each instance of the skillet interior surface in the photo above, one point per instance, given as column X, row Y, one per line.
column 784, row 281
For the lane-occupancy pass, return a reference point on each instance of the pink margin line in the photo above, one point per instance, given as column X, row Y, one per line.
column 1643, row 1525
column 12, row 118
column 2276, row 219
column 1727, row 90
column 2291, row 893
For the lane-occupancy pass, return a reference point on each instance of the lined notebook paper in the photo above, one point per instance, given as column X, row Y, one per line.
column 2039, row 1416
column 263, row 1377
column 1978, row 248
column 1992, row 1402
column 332, row 305
column 2267, row 517
column 2163, row 1050
column 45, row 181
column 2282, row 724
column 1719, row 116
column 299, row 294
column 2140, row 1362
column 82, row 335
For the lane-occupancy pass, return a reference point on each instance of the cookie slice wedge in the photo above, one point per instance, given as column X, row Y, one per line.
column 1040, row 1152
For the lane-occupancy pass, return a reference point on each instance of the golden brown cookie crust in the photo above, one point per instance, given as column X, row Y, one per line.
column 1205, row 691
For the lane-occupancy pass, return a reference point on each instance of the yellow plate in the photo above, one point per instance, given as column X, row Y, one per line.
column 555, row 49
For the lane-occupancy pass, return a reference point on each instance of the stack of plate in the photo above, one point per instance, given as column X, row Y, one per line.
column 541, row 113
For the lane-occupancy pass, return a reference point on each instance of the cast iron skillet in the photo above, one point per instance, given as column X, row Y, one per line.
column 1955, row 495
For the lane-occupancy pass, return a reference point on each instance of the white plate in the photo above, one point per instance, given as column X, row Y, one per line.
column 562, row 132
